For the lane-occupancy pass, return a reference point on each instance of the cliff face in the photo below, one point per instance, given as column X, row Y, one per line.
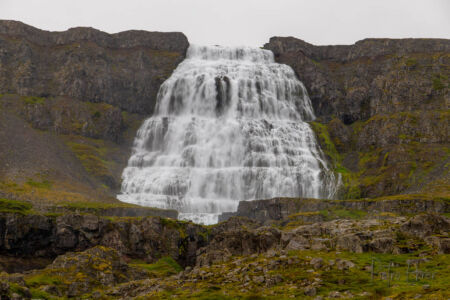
column 382, row 108
column 371, row 77
column 123, row 69
column 70, row 105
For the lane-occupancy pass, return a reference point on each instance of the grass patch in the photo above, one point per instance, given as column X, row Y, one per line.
column 164, row 267
column 349, row 180
column 355, row 281
column 44, row 184
column 437, row 81
column 14, row 206
column 38, row 294
column 42, row 279
column 91, row 158
column 343, row 214
column 31, row 100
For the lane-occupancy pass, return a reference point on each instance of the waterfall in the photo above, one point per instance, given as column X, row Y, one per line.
column 229, row 125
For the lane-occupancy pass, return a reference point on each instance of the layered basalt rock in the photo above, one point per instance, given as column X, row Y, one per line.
column 123, row 69
column 383, row 104
column 373, row 76
column 147, row 238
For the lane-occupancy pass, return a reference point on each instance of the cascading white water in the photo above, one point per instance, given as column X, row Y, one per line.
column 230, row 125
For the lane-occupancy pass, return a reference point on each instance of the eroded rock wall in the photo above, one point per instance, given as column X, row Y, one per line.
column 123, row 69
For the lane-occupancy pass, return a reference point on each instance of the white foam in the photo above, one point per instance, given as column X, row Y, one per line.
column 230, row 125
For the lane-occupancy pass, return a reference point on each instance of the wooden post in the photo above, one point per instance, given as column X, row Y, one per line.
column 389, row 275
column 407, row 272
column 371, row 271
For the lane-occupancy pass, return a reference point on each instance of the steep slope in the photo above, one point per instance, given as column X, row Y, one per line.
column 123, row 69
column 382, row 107
column 70, row 106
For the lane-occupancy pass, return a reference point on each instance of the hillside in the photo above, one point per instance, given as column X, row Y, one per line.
column 71, row 103
column 382, row 108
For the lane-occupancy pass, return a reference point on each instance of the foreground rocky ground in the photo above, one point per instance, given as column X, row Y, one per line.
column 330, row 253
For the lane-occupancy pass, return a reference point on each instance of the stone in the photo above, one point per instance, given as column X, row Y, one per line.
column 317, row 263
column 298, row 243
column 310, row 291
column 334, row 294
column 343, row 264
column 258, row 279
column 349, row 242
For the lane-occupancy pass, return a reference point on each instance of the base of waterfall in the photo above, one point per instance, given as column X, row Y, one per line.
column 198, row 210
column 230, row 124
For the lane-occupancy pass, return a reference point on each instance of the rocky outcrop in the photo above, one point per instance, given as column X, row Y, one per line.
column 137, row 211
column 84, row 92
column 279, row 209
column 123, row 69
column 238, row 251
column 71, row 117
column 373, row 76
column 147, row 238
column 384, row 104
column 99, row 266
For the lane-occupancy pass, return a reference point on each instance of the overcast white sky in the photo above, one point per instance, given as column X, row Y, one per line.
column 243, row 22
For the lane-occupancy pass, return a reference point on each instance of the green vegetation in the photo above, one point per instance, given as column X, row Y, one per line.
column 14, row 206
column 438, row 83
column 343, row 213
column 378, row 169
column 411, row 62
column 327, row 144
column 44, row 184
column 348, row 179
column 91, row 158
column 31, row 100
column 38, row 294
column 43, row 279
column 356, row 282
column 164, row 267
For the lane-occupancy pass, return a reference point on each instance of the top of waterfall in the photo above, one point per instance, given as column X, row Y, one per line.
column 230, row 53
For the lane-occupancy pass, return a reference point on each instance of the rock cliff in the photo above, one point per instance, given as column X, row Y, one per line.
column 70, row 105
column 123, row 69
column 373, row 76
column 382, row 108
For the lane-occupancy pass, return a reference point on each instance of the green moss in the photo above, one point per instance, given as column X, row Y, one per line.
column 38, row 294
column 341, row 213
column 96, row 115
column 164, row 267
column 295, row 276
column 411, row 62
column 90, row 157
column 31, row 100
column 44, row 184
column 43, row 279
column 350, row 188
column 14, row 206
column 325, row 141
column 437, row 81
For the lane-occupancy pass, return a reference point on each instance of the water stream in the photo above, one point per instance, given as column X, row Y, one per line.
column 230, row 125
